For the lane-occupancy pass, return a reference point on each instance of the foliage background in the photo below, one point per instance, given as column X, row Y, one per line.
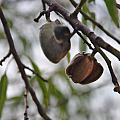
column 62, row 98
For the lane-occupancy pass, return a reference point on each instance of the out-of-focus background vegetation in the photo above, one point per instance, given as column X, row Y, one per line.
column 62, row 99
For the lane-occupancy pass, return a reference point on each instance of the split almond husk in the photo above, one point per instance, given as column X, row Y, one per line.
column 95, row 75
column 84, row 69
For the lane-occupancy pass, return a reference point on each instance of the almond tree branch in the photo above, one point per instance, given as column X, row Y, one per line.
column 95, row 23
column 43, row 4
column 44, row 12
column 73, row 3
column 26, row 105
column 77, row 25
column 114, row 78
column 78, row 8
column 21, row 67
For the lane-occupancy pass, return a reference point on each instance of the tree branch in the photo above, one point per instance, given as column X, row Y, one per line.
column 26, row 105
column 78, row 8
column 21, row 67
column 114, row 78
column 77, row 25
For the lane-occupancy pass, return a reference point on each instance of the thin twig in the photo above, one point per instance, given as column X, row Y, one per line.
column 4, row 58
column 73, row 3
column 37, row 74
column 114, row 78
column 39, row 16
column 26, row 105
column 43, row 4
column 44, row 12
column 89, row 45
column 21, row 67
column 85, row 41
column 78, row 8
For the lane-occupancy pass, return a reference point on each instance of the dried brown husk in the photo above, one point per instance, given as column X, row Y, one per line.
column 84, row 69
column 95, row 74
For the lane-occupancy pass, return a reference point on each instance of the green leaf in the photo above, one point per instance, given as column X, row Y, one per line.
column 92, row 14
column 41, row 83
column 85, row 9
column 2, row 36
column 83, row 46
column 110, row 4
column 16, row 100
column 3, row 91
column 24, row 42
column 10, row 22
column 89, row 1
column 68, row 57
column 53, row 90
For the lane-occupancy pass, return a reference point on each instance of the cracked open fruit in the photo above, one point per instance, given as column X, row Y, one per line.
column 84, row 69
column 55, row 40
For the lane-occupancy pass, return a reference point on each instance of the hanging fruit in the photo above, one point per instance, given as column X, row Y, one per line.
column 84, row 69
column 55, row 40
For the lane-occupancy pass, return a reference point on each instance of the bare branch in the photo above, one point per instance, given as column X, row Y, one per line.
column 77, row 25
column 73, row 3
column 44, row 12
column 1, row 61
column 114, row 78
column 39, row 16
column 21, row 67
column 44, row 7
column 78, row 8
column 26, row 105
